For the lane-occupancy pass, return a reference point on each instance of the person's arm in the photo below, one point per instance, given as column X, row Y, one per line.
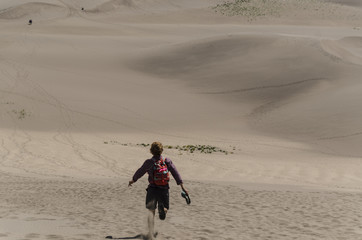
column 140, row 172
column 130, row 183
column 183, row 189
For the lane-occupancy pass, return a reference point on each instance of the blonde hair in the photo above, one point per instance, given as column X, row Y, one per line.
column 156, row 148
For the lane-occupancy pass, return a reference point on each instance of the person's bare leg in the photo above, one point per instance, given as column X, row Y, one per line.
column 162, row 211
column 151, row 224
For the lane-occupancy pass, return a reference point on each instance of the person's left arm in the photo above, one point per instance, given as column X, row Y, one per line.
column 176, row 175
column 140, row 172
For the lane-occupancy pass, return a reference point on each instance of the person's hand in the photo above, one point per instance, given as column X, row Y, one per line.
column 183, row 189
column 130, row 183
column 185, row 195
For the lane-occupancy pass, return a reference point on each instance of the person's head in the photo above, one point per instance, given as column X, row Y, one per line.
column 156, row 148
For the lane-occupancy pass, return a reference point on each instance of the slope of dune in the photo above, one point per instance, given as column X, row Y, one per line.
column 355, row 3
column 113, row 5
column 284, row 80
column 36, row 10
column 207, row 64
column 348, row 49
column 145, row 6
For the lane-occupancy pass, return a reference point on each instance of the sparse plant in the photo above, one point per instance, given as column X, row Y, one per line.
column 254, row 9
column 251, row 9
column 206, row 149
column 8, row 103
column 143, row 144
column 21, row 114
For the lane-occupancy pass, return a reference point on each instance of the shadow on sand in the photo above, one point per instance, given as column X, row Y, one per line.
column 139, row 236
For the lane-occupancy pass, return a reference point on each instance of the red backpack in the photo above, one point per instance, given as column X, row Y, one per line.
column 161, row 174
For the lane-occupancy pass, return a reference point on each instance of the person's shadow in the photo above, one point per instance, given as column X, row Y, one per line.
column 139, row 236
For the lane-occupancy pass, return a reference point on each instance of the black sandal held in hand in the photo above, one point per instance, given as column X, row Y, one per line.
column 186, row 196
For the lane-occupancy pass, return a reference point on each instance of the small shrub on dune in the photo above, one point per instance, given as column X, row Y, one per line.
column 254, row 9
column 205, row 149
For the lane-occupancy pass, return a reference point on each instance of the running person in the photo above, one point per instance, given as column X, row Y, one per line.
column 158, row 188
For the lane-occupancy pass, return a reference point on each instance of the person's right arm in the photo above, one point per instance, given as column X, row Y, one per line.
column 172, row 168
column 183, row 189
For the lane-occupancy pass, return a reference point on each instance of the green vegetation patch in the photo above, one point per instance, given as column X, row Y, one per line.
column 250, row 8
column 255, row 9
column 21, row 114
column 206, row 149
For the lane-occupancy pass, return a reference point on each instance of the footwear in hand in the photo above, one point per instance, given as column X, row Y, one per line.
column 186, row 196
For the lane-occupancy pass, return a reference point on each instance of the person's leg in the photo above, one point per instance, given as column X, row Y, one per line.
column 163, row 203
column 151, row 201
column 151, row 198
column 151, row 224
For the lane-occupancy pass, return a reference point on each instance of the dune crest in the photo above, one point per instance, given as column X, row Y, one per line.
column 348, row 49
column 124, row 6
column 34, row 10
column 113, row 5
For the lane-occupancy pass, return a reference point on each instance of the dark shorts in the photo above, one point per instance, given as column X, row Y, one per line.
column 155, row 196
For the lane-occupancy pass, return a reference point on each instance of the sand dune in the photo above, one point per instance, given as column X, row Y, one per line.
column 144, row 6
column 347, row 2
column 34, row 11
column 292, row 74
column 347, row 48
column 113, row 6
column 206, row 65
column 265, row 213
column 277, row 94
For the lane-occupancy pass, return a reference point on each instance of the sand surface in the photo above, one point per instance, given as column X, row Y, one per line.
column 273, row 87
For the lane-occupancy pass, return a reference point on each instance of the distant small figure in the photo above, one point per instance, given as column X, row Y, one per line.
column 30, row 22
column 82, row 9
